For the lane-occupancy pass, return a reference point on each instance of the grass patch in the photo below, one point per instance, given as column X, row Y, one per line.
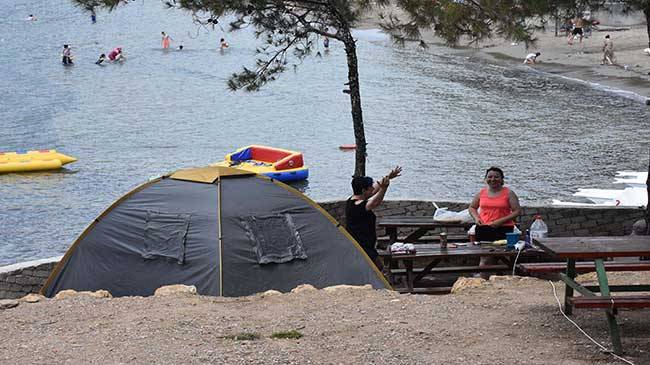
column 292, row 335
column 244, row 336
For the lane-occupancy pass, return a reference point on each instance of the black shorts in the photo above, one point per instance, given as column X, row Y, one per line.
column 577, row 31
column 489, row 233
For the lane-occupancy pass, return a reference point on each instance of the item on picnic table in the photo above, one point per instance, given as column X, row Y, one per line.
column 472, row 233
column 400, row 247
column 443, row 240
column 443, row 214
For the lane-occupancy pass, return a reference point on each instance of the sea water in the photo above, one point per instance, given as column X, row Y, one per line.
column 443, row 116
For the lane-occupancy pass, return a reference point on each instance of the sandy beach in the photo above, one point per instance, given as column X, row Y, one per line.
column 507, row 320
column 629, row 76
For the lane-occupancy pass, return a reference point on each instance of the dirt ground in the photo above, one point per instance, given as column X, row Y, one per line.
column 505, row 321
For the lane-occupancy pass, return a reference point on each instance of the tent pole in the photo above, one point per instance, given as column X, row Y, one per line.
column 220, row 237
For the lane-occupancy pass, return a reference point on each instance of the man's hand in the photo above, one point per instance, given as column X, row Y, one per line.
column 397, row 171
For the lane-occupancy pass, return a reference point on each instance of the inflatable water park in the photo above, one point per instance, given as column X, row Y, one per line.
column 41, row 160
column 276, row 163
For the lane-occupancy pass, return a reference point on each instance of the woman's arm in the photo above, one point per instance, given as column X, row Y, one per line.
column 514, row 206
column 473, row 208
column 380, row 190
column 378, row 197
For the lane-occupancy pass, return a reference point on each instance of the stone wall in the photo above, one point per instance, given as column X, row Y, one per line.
column 21, row 279
column 28, row 277
column 561, row 221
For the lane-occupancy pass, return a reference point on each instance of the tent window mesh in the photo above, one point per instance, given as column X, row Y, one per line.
column 165, row 235
column 275, row 238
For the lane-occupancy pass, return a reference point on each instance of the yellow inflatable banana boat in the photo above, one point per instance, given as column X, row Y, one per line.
column 33, row 161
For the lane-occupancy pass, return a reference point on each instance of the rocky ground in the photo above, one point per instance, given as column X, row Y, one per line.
column 503, row 321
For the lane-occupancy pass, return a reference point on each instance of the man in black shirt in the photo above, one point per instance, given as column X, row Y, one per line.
column 359, row 218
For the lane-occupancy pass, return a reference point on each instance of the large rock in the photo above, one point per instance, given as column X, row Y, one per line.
column 463, row 284
column 32, row 298
column 176, row 289
column 70, row 293
column 269, row 293
column 8, row 303
column 338, row 288
column 303, row 287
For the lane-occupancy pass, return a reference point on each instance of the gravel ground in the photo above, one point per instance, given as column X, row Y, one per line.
column 506, row 321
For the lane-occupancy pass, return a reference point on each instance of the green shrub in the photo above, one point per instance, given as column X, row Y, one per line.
column 293, row 334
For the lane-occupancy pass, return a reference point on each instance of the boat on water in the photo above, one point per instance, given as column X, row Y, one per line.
column 41, row 160
column 634, row 194
column 276, row 163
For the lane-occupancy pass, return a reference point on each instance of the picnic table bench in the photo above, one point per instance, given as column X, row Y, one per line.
column 581, row 267
column 598, row 249
column 421, row 224
column 434, row 255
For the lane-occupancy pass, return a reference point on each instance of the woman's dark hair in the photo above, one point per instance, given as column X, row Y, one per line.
column 359, row 183
column 495, row 169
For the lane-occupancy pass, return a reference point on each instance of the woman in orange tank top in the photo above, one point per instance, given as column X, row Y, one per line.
column 494, row 208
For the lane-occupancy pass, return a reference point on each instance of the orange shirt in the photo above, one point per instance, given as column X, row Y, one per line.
column 493, row 208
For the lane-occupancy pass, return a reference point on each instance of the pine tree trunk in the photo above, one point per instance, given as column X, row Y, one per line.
column 355, row 100
column 646, row 11
column 647, row 205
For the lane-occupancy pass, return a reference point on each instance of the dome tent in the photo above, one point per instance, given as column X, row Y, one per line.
column 226, row 231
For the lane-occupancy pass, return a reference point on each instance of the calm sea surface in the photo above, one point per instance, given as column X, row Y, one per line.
column 444, row 117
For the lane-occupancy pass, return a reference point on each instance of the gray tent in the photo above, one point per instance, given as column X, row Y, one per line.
column 226, row 231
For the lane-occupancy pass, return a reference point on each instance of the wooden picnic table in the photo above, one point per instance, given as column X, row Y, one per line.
column 598, row 249
column 435, row 255
column 422, row 225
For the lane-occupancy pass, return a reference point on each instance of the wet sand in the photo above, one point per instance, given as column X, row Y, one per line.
column 630, row 76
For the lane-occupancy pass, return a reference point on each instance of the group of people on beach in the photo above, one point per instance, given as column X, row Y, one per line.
column 494, row 210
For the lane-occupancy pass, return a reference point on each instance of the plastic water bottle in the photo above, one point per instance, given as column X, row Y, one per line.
column 538, row 229
column 527, row 239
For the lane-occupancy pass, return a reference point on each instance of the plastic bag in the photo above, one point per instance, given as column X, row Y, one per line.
column 399, row 247
column 445, row 215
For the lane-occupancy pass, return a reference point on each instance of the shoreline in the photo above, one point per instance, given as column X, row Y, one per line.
column 629, row 77
column 631, row 87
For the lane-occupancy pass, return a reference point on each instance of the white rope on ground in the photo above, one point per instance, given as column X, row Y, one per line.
column 514, row 265
column 583, row 332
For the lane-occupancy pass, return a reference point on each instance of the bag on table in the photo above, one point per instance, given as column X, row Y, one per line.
column 445, row 215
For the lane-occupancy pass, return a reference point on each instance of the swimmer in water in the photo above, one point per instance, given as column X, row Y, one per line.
column 116, row 55
column 223, row 44
column 67, row 55
column 31, row 17
column 166, row 40
column 101, row 59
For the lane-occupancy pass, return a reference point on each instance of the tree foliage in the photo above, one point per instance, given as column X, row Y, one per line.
column 476, row 20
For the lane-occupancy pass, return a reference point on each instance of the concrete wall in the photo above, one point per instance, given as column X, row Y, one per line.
column 20, row 279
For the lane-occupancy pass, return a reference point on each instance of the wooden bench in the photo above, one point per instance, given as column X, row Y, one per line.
column 613, row 302
column 433, row 238
column 581, row 267
column 455, row 269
